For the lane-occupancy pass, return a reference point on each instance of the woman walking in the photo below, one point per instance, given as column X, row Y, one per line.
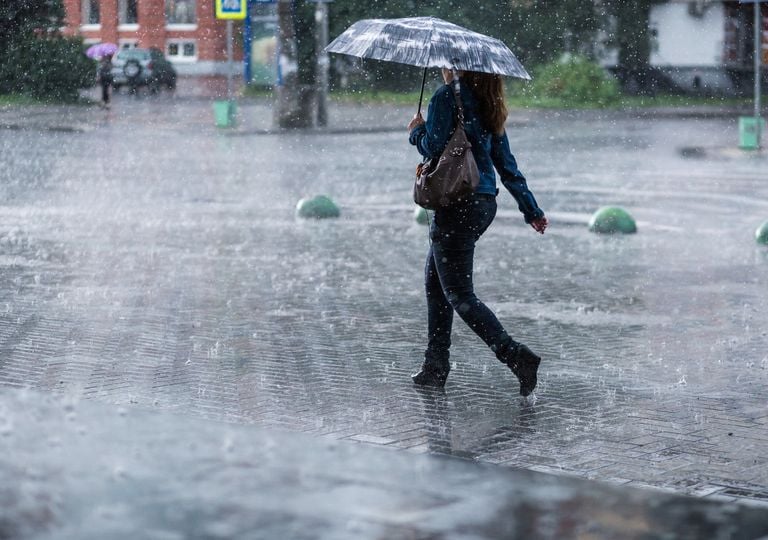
column 105, row 79
column 455, row 229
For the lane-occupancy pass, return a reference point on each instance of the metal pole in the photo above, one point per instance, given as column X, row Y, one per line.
column 758, row 63
column 321, row 19
column 229, row 59
column 247, row 44
column 758, row 60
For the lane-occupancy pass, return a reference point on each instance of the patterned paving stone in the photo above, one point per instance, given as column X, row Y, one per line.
column 133, row 472
column 158, row 265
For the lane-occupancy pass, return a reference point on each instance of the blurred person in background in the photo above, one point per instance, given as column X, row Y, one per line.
column 104, row 76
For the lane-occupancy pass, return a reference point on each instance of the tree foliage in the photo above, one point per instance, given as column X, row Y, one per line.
column 537, row 31
column 46, row 67
column 25, row 17
column 37, row 60
column 573, row 80
column 630, row 34
column 630, row 31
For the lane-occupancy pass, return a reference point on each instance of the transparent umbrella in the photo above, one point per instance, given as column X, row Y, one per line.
column 427, row 42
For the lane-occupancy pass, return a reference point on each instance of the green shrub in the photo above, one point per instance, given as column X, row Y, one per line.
column 573, row 80
column 46, row 67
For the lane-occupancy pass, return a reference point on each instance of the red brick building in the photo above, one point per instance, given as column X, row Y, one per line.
column 185, row 30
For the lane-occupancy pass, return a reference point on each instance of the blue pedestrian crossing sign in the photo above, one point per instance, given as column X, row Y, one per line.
column 231, row 9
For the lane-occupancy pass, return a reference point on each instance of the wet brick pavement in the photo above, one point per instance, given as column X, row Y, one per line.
column 147, row 258
column 84, row 470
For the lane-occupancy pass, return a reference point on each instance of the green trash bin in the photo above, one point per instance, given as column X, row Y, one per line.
column 224, row 113
column 750, row 130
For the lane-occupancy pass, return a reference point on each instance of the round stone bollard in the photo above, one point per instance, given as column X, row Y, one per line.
column 612, row 220
column 420, row 215
column 761, row 234
column 319, row 207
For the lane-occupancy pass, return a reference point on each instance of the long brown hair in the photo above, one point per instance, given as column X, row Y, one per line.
column 489, row 91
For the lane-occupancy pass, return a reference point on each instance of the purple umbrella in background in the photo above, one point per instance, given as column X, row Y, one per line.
column 101, row 49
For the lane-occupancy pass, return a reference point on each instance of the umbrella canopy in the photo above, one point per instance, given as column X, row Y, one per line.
column 427, row 42
column 100, row 50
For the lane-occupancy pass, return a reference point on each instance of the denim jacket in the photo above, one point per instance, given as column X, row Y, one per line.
column 490, row 150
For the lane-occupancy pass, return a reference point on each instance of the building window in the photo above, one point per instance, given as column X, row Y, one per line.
column 128, row 12
column 127, row 44
column 181, row 50
column 180, row 12
column 90, row 11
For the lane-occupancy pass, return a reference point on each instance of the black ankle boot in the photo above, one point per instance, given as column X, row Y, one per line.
column 434, row 372
column 524, row 363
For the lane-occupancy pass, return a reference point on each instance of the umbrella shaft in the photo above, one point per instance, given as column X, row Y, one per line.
column 423, row 81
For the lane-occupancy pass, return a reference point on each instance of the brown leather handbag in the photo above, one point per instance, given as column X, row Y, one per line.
column 452, row 177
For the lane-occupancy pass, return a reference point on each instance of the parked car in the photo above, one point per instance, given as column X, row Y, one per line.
column 143, row 67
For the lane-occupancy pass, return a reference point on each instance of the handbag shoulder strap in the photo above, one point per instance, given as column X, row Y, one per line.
column 457, row 94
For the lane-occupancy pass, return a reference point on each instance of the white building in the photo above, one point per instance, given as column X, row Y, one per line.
column 703, row 46
column 706, row 46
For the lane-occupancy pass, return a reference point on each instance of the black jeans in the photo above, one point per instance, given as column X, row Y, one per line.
column 448, row 277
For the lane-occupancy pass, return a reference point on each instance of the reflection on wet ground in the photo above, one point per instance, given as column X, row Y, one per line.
column 149, row 259
column 133, row 473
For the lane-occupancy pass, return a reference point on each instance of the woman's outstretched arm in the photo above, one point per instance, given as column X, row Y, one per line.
column 515, row 182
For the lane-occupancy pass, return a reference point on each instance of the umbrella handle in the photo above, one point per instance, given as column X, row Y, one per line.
column 423, row 81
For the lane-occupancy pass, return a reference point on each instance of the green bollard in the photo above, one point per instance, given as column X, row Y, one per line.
column 612, row 220
column 750, row 129
column 224, row 113
column 420, row 215
column 761, row 234
column 319, row 207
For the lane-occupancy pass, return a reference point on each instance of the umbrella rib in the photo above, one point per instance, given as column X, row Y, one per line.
column 429, row 50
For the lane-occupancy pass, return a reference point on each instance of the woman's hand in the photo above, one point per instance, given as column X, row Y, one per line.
column 540, row 224
column 416, row 121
